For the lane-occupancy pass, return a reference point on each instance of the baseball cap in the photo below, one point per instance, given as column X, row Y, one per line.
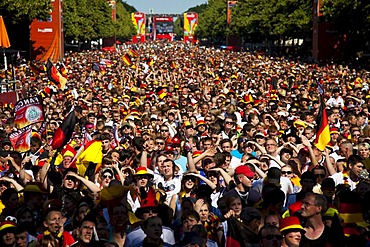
column 244, row 170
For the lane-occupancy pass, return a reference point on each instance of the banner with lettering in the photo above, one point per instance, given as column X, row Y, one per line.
column 230, row 5
column 190, row 25
column 20, row 139
column 139, row 21
column 28, row 111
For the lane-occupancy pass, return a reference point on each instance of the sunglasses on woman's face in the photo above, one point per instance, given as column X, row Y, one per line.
column 107, row 176
column 286, row 172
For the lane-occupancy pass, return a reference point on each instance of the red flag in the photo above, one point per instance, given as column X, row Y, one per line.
column 54, row 76
column 322, row 127
column 21, row 139
column 64, row 133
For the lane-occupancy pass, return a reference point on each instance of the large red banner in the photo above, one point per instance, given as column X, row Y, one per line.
column 47, row 37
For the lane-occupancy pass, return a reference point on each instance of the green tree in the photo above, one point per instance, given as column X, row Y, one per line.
column 179, row 23
column 124, row 27
column 25, row 10
column 87, row 20
column 212, row 22
column 198, row 9
column 272, row 19
column 178, row 26
column 128, row 7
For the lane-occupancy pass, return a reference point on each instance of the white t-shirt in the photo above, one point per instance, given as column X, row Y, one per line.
column 171, row 187
column 273, row 163
column 135, row 237
column 338, row 179
column 335, row 102
column 285, row 185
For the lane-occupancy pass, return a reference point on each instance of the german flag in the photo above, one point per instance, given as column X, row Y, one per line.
column 91, row 153
column 161, row 93
column 173, row 65
column 150, row 61
column 64, row 132
column 126, row 59
column 54, row 76
column 63, row 70
column 248, row 99
column 36, row 70
column 322, row 128
column 133, row 53
column 236, row 233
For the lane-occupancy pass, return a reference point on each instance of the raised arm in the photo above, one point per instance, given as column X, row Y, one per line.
column 44, row 177
column 90, row 185
column 206, row 180
column 191, row 163
column 16, row 185
column 119, row 172
column 258, row 170
column 328, row 165
column 208, row 152
column 307, row 143
column 224, row 174
column 259, row 147
column 144, row 158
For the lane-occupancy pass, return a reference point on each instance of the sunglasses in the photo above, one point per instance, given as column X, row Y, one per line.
column 107, row 176
column 159, row 143
column 193, row 179
column 71, row 178
column 212, row 174
column 163, row 130
column 142, row 177
column 229, row 122
column 148, row 210
column 319, row 175
column 286, row 172
column 272, row 236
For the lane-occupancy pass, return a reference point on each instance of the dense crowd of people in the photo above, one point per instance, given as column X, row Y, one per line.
column 185, row 145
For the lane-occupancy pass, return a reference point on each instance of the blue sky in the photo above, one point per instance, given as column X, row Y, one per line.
column 164, row 6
